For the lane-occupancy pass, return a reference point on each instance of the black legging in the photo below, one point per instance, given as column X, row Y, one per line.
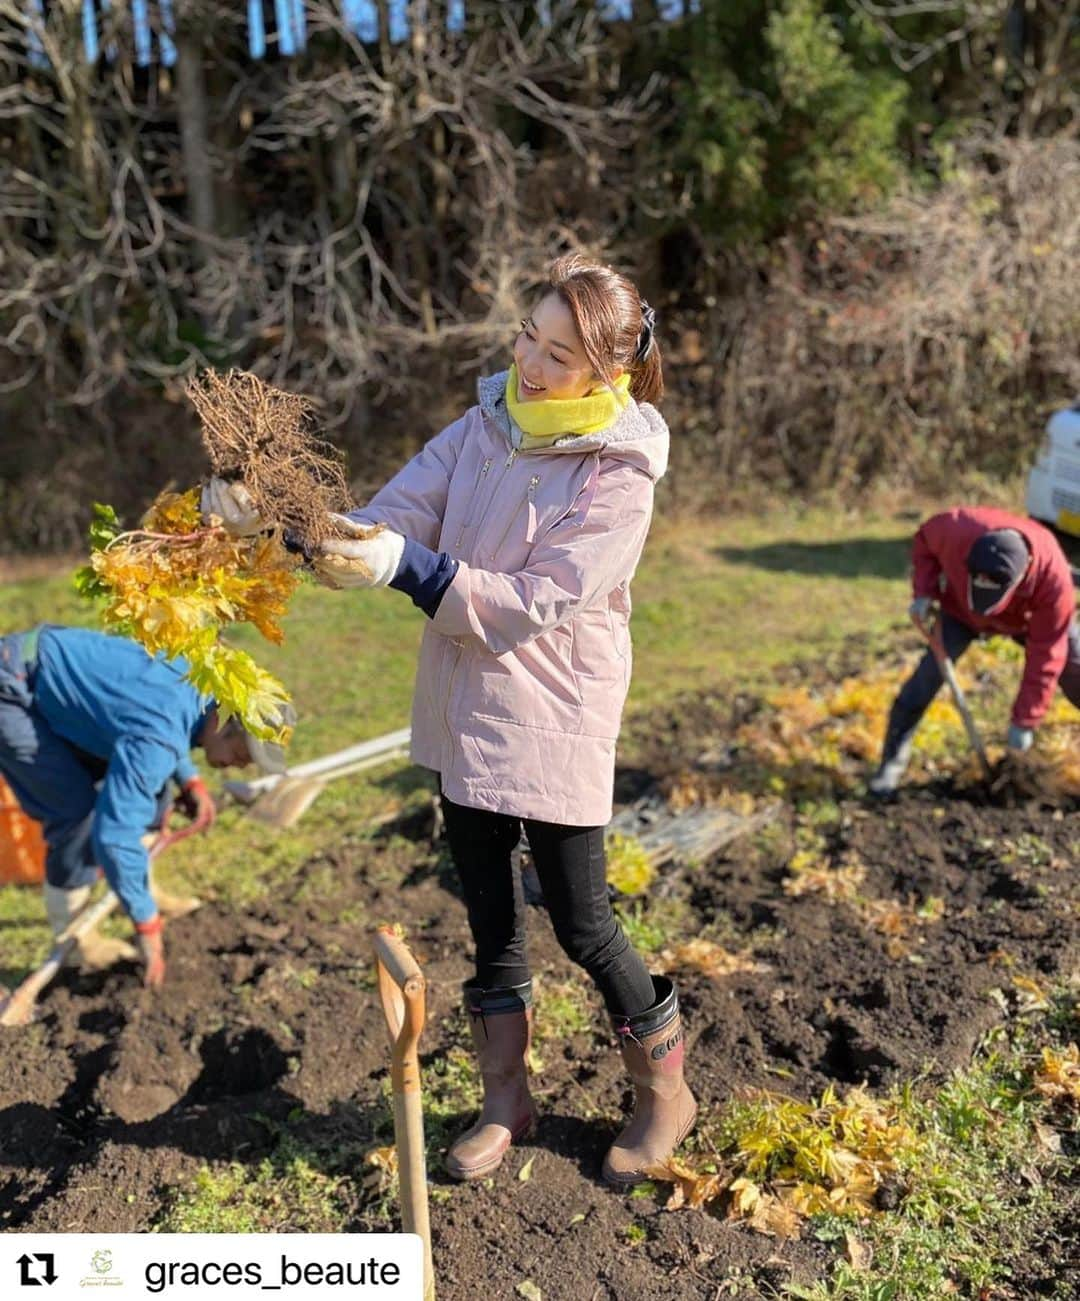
column 570, row 864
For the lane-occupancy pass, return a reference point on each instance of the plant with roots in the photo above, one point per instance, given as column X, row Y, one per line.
column 179, row 580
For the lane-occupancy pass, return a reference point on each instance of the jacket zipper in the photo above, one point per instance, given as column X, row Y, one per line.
column 487, row 506
column 529, row 495
column 479, row 484
column 495, row 491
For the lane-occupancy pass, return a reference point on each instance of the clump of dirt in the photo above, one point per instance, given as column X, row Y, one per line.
column 1018, row 778
column 270, row 1022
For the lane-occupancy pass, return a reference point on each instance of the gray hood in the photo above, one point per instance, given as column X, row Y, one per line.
column 639, row 435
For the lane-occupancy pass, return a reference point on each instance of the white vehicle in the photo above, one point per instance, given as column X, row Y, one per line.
column 1053, row 490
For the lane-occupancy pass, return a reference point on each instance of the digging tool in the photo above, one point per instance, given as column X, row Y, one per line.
column 286, row 802
column 935, row 640
column 282, row 801
column 18, row 1007
column 401, row 991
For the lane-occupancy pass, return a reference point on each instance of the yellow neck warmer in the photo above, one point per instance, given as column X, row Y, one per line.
column 543, row 422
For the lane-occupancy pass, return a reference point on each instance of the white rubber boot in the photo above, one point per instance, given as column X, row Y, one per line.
column 93, row 952
column 887, row 779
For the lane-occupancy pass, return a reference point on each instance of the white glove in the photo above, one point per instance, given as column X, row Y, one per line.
column 370, row 558
column 231, row 504
column 1020, row 738
column 920, row 608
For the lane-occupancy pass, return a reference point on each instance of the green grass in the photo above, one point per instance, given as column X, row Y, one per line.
column 281, row 1195
column 452, row 1093
column 653, row 924
column 722, row 601
column 973, row 1188
column 973, row 1170
column 299, row 1186
column 729, row 600
column 562, row 1010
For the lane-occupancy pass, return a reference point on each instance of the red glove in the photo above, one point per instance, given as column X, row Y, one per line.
column 197, row 802
column 149, row 936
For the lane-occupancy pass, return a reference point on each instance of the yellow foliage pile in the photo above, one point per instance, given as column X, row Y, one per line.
column 810, row 743
column 1058, row 1075
column 381, row 1175
column 781, row 1160
column 687, row 788
column 810, row 873
column 708, row 957
column 817, row 744
column 897, row 919
column 173, row 584
column 630, row 866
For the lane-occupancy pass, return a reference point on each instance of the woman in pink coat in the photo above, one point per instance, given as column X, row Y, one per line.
column 517, row 531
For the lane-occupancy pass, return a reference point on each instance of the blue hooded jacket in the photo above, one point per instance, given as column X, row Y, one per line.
column 109, row 698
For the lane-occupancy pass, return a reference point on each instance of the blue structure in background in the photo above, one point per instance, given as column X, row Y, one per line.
column 140, row 19
column 290, row 25
column 35, row 49
column 362, row 18
column 89, row 30
column 256, row 29
column 168, row 30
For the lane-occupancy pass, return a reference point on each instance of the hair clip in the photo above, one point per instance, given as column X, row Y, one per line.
column 645, row 336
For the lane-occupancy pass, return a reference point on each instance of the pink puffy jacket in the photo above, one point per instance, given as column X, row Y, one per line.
column 524, row 670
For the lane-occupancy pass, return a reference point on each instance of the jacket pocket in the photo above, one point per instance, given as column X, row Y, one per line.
column 534, row 687
column 601, row 664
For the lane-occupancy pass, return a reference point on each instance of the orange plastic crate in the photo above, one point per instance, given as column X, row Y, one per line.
column 22, row 846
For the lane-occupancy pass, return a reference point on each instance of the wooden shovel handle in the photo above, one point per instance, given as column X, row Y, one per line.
column 401, row 992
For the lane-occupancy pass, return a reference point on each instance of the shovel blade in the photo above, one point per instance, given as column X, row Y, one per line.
column 18, row 1008
column 287, row 802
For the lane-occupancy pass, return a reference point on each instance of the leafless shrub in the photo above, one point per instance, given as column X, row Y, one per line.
column 919, row 344
column 137, row 245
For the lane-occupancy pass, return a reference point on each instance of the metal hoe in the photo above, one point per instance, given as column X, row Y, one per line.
column 401, row 992
column 935, row 640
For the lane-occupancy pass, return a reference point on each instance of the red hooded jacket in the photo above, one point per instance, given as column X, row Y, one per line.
column 1040, row 611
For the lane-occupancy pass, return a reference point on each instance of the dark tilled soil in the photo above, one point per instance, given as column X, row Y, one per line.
column 269, row 1018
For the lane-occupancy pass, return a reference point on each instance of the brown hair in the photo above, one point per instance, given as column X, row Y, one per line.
column 613, row 322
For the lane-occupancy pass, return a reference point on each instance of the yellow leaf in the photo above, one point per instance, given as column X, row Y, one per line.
column 693, row 1188
column 745, row 1195
column 772, row 1217
column 1033, row 996
column 1058, row 1075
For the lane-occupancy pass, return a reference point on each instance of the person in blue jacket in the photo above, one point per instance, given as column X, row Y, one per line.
column 92, row 731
